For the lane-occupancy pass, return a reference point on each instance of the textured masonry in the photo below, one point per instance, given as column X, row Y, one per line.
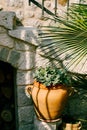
column 31, row 15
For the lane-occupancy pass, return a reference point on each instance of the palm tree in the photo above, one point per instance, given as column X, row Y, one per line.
column 67, row 39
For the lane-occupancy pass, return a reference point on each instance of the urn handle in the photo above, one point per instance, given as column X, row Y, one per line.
column 28, row 90
column 80, row 125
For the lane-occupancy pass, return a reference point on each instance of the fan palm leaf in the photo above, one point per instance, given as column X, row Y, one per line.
column 68, row 39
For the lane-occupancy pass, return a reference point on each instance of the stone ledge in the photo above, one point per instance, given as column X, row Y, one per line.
column 7, row 19
column 27, row 34
column 41, row 125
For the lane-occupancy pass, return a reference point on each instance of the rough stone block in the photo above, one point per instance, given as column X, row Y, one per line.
column 21, row 95
column 24, row 46
column 15, row 3
column 24, row 77
column 27, row 60
column 26, row 127
column 4, row 53
column 14, row 58
column 26, row 115
column 7, row 19
column 6, row 41
column 41, row 61
column 27, row 34
column 2, row 30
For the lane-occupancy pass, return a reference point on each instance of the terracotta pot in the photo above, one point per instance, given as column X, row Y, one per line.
column 62, row 2
column 48, row 103
column 70, row 126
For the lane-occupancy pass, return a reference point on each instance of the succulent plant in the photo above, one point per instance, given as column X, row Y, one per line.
column 51, row 76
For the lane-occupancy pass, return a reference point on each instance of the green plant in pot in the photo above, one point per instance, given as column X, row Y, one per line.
column 50, row 91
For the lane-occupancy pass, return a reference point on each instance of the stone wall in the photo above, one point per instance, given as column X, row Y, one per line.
column 31, row 15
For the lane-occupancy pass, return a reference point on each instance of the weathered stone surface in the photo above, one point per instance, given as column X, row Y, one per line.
column 4, row 53
column 38, row 15
column 5, row 40
column 27, row 34
column 14, row 58
column 40, row 61
column 26, row 115
column 26, row 127
column 24, row 77
column 23, row 100
column 2, row 30
column 24, row 46
column 34, row 22
column 16, row 3
column 47, row 3
column 27, row 60
column 30, row 14
column 7, row 19
column 22, row 9
column 1, row 7
column 19, row 14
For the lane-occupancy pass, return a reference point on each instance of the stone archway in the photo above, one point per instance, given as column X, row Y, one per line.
column 21, row 57
column 24, row 107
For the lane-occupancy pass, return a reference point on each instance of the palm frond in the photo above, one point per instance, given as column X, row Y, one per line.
column 68, row 38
